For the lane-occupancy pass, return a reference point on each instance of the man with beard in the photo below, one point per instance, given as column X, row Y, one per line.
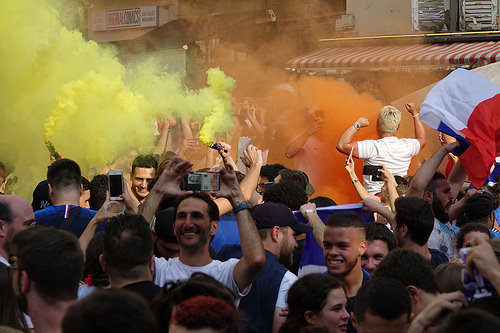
column 197, row 221
column 277, row 227
column 343, row 241
column 143, row 172
column 440, row 192
column 47, row 265
column 414, row 224
column 16, row 215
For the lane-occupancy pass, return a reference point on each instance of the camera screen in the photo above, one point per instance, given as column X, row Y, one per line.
column 194, row 178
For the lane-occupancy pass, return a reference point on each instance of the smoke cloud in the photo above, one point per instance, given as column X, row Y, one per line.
column 56, row 86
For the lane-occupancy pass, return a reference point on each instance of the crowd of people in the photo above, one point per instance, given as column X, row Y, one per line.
column 424, row 255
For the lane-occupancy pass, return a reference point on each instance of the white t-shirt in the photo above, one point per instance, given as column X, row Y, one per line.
column 4, row 261
column 390, row 151
column 442, row 238
column 174, row 270
column 288, row 279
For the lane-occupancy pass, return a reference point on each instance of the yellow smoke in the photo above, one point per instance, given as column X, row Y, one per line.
column 56, row 86
column 219, row 119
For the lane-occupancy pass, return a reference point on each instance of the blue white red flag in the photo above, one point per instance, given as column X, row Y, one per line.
column 312, row 260
column 466, row 106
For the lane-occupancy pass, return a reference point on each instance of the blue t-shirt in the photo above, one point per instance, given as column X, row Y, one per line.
column 57, row 216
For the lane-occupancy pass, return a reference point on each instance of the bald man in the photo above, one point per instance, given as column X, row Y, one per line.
column 16, row 214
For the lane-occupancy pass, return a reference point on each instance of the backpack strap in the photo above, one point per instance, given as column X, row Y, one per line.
column 72, row 217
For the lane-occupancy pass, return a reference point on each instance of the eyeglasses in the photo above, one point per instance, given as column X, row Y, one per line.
column 29, row 223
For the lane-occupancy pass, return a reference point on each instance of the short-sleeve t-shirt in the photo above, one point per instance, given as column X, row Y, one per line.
column 288, row 279
column 174, row 270
column 395, row 154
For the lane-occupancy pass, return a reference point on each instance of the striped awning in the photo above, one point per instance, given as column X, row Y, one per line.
column 396, row 58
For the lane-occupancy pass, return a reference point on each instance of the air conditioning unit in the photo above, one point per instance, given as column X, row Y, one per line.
column 345, row 22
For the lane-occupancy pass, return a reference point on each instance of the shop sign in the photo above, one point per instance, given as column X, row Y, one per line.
column 125, row 18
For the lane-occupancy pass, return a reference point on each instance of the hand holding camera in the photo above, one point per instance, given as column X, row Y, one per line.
column 170, row 181
column 229, row 186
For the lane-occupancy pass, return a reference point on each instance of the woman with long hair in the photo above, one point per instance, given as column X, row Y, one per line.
column 316, row 301
column 10, row 313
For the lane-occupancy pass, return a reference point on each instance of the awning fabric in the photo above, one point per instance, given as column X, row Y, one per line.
column 397, row 58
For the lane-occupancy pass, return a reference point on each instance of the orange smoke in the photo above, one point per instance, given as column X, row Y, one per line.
column 342, row 106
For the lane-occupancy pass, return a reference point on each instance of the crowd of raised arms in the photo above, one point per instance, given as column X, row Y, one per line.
column 257, row 250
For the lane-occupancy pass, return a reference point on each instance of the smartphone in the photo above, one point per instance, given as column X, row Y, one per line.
column 373, row 170
column 201, row 181
column 115, row 179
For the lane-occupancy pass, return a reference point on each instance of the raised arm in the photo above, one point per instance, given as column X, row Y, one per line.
column 425, row 173
column 297, row 143
column 373, row 206
column 252, row 158
column 255, row 122
column 162, row 141
column 168, row 184
column 419, row 127
column 457, row 208
column 308, row 210
column 101, row 216
column 456, row 178
column 254, row 257
column 345, row 144
column 360, row 189
column 390, row 184
column 225, row 153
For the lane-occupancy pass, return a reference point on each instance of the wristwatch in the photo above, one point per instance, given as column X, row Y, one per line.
column 240, row 205
column 356, row 126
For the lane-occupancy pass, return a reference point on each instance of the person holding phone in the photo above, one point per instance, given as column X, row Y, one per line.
column 394, row 153
column 196, row 221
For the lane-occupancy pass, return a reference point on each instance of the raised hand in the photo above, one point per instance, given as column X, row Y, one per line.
column 225, row 152
column 362, row 122
column 411, row 108
column 229, row 186
column 252, row 155
column 169, row 182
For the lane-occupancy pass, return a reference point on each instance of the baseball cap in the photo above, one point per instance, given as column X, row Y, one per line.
column 41, row 198
column 478, row 206
column 270, row 214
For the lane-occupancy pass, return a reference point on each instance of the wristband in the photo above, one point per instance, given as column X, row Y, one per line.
column 415, row 115
column 310, row 211
column 356, row 126
column 241, row 205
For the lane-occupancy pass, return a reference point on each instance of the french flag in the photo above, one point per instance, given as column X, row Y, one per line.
column 466, row 106
column 311, row 260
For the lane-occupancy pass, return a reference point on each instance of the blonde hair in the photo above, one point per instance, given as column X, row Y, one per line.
column 388, row 119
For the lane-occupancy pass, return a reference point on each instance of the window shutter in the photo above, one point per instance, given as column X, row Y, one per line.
column 478, row 15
